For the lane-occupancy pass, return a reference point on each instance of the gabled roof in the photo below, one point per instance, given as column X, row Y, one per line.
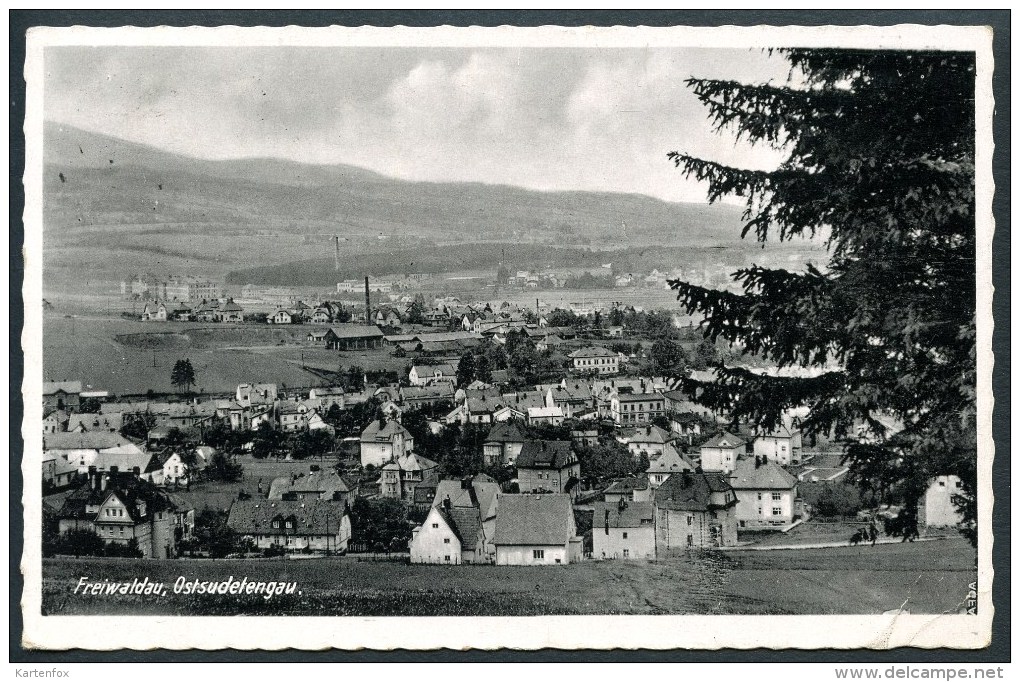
column 506, row 432
column 466, row 522
column 51, row 387
column 545, row 519
column 86, row 440
column 724, row 440
column 651, row 434
column 670, row 461
column 691, row 491
column 545, row 454
column 124, row 487
column 539, row 412
column 58, row 416
column 628, row 485
column 383, row 432
column 413, row 462
column 430, row 370
column 356, row 331
column 628, row 515
column 110, row 421
column 311, row 517
column 769, row 476
column 231, row 307
column 439, row 391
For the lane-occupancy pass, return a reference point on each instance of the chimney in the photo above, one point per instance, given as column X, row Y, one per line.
column 137, row 472
column 114, row 470
column 102, row 480
column 607, row 522
column 368, row 304
column 92, row 478
column 465, row 483
column 446, row 503
column 336, row 253
column 621, row 504
column 757, row 462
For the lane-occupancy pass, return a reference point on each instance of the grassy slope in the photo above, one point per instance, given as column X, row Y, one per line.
column 930, row 577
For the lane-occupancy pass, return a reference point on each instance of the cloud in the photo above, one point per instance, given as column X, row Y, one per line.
column 540, row 118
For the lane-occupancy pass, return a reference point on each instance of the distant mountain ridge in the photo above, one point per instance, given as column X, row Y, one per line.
column 120, row 199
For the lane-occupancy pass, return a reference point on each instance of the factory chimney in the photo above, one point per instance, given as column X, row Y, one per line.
column 336, row 253
column 368, row 305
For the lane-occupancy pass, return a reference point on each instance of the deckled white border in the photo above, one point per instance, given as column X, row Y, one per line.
column 567, row 632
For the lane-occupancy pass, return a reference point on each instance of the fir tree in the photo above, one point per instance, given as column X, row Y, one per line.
column 881, row 165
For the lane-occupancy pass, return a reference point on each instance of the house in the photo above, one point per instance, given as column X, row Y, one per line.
column 623, row 530
column 383, row 441
column 55, row 421
column 549, row 466
column 85, row 421
column 720, row 453
column 447, row 536
column 122, row 508
column 181, row 312
column 353, row 337
column 595, row 359
column 937, row 509
column 671, row 461
column 694, row 510
column 248, row 395
column 61, row 395
column 319, row 526
column 317, row 337
column 280, row 317
column 686, row 426
column 327, row 397
column 584, row 434
column 291, row 416
column 434, row 394
column 321, row 484
column 423, row 375
column 635, row 408
column 504, row 444
column 507, row 414
column 536, row 530
column 572, row 397
column 321, row 316
column 632, row 489
column 648, row 440
column 545, row 415
column 207, row 311
column 481, row 492
column 154, row 311
column 766, row 494
column 230, row 312
column 83, row 448
column 175, row 470
column 782, row 445
column 58, row 472
column 415, row 470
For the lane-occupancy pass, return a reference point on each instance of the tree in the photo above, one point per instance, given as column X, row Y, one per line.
column 881, row 165
column 466, row 369
column 416, row 311
column 224, row 468
column 669, row 357
column 183, row 375
column 138, row 426
column 90, row 405
column 212, row 533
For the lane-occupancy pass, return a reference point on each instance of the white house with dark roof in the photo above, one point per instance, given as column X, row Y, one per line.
column 782, row 445
column 647, row 440
column 61, row 395
column 423, row 375
column 670, row 462
column 766, row 494
column 548, row 466
column 504, row 444
column 623, row 530
column 630, row 489
column 694, row 510
column 595, row 359
column 383, row 441
column 720, row 453
column 536, row 530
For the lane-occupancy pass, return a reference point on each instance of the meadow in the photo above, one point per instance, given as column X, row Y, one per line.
column 930, row 577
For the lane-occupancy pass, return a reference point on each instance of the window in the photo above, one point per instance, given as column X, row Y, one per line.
column 435, row 525
column 446, row 558
column 690, row 540
column 446, row 541
column 776, row 497
column 777, row 511
column 625, row 536
column 538, row 554
column 759, row 496
column 942, row 484
column 626, row 553
column 690, row 520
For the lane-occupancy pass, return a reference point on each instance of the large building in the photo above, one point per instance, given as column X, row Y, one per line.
column 694, row 510
column 766, row 494
column 384, row 441
column 595, row 359
column 628, row 409
column 123, row 509
column 320, row 526
column 548, row 466
column 721, row 452
column 353, row 337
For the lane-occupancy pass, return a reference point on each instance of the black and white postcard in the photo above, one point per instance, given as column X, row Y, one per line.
column 508, row 338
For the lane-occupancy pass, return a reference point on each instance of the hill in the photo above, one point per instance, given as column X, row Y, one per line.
column 108, row 203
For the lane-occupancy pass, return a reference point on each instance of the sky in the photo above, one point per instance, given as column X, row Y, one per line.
column 546, row 119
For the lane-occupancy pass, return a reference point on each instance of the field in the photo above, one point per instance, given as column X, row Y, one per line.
column 106, row 353
column 930, row 577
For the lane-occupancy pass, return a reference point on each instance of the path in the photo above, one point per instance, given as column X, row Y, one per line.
column 822, row 545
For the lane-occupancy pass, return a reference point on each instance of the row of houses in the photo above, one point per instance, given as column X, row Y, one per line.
column 208, row 310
